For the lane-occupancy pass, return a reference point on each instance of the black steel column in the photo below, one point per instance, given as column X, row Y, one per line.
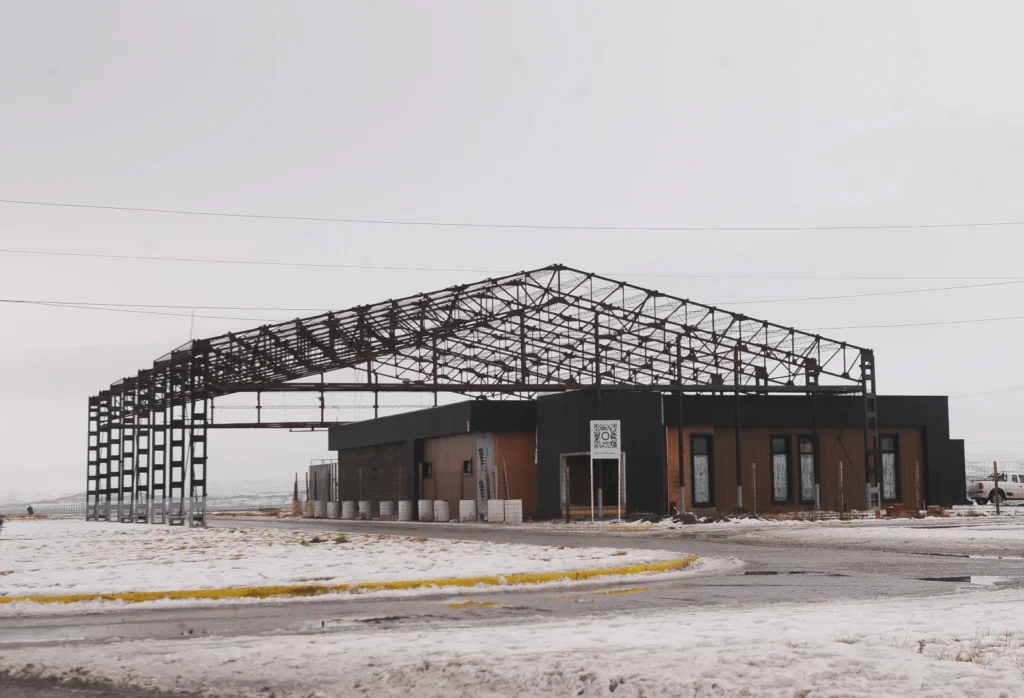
column 92, row 473
column 739, row 437
column 177, row 406
column 679, row 426
column 114, row 482
column 817, row 450
column 870, row 428
column 126, row 494
column 103, row 487
column 197, row 432
column 141, row 497
column 160, row 438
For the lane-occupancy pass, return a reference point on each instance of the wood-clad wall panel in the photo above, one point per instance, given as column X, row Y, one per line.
column 838, row 446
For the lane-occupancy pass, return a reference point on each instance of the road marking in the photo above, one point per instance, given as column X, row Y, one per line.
column 306, row 590
column 617, row 592
column 474, row 604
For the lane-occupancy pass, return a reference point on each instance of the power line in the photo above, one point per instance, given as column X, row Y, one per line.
column 918, row 324
column 874, row 293
column 512, row 226
column 450, row 270
column 99, row 305
column 201, row 260
column 157, row 305
column 988, row 392
column 56, row 304
column 75, row 306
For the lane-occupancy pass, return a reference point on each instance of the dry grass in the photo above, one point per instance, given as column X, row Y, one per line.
column 847, row 639
column 340, row 539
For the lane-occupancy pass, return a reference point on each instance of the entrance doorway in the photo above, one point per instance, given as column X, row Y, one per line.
column 575, row 473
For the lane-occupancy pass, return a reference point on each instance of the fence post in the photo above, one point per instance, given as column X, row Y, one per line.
column 842, row 491
column 753, row 486
column 995, row 473
column 917, row 484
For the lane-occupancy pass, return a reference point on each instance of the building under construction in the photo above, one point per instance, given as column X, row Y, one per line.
column 718, row 411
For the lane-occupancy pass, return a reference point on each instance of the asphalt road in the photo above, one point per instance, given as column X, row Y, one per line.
column 770, row 573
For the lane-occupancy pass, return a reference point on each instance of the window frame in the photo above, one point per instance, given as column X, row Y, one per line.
column 896, row 463
column 801, row 439
column 426, row 470
column 789, row 466
column 467, row 472
column 711, row 471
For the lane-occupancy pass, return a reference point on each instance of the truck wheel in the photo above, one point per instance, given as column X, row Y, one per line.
column 997, row 494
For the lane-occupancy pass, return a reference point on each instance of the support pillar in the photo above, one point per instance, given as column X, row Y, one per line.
column 92, row 475
column 159, row 418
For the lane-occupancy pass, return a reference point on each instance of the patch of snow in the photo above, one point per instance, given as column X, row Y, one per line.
column 75, row 557
column 935, row 646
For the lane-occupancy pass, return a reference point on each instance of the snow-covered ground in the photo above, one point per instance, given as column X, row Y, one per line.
column 985, row 535
column 1002, row 537
column 968, row 644
column 75, row 557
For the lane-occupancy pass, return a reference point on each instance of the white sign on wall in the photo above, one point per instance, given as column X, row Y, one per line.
column 605, row 439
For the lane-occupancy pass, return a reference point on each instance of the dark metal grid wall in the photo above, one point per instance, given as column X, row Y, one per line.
column 520, row 335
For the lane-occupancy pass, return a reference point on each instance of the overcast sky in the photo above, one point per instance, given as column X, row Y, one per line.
column 577, row 113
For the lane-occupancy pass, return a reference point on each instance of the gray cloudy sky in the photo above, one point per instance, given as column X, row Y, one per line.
column 581, row 113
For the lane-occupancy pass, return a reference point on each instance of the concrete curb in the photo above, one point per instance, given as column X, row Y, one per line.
column 301, row 590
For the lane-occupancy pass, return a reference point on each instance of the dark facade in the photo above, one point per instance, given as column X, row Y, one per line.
column 930, row 464
column 380, row 459
column 562, row 424
column 942, row 459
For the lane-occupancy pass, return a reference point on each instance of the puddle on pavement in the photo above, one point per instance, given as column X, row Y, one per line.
column 980, row 580
column 343, row 622
column 995, row 557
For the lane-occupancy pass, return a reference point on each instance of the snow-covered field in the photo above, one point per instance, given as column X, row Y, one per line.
column 936, row 646
column 75, row 557
column 983, row 536
column 959, row 535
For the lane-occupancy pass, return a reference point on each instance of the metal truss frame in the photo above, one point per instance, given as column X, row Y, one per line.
column 517, row 336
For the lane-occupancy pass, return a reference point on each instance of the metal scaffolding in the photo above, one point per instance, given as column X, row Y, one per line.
column 517, row 336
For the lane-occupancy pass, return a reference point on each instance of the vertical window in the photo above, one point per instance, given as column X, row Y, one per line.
column 701, row 467
column 780, row 470
column 467, row 467
column 890, row 469
column 428, row 470
column 807, row 469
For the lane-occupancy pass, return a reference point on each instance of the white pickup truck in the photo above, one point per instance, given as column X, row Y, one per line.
column 1011, row 486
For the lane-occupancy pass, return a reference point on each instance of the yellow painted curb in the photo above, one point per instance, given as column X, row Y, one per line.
column 632, row 528
column 298, row 590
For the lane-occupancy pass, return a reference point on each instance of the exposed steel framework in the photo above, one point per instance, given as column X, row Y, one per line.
column 517, row 336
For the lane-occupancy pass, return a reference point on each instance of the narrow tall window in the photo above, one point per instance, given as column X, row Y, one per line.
column 890, row 469
column 428, row 470
column 467, row 467
column 701, row 467
column 807, row 469
column 780, row 470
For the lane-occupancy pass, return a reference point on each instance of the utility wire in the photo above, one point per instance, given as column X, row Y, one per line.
column 513, row 226
column 868, row 295
column 253, row 319
column 450, row 270
column 98, row 305
column 988, row 392
column 918, row 324
column 75, row 306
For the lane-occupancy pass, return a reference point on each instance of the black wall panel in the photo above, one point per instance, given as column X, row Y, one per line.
column 562, row 424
